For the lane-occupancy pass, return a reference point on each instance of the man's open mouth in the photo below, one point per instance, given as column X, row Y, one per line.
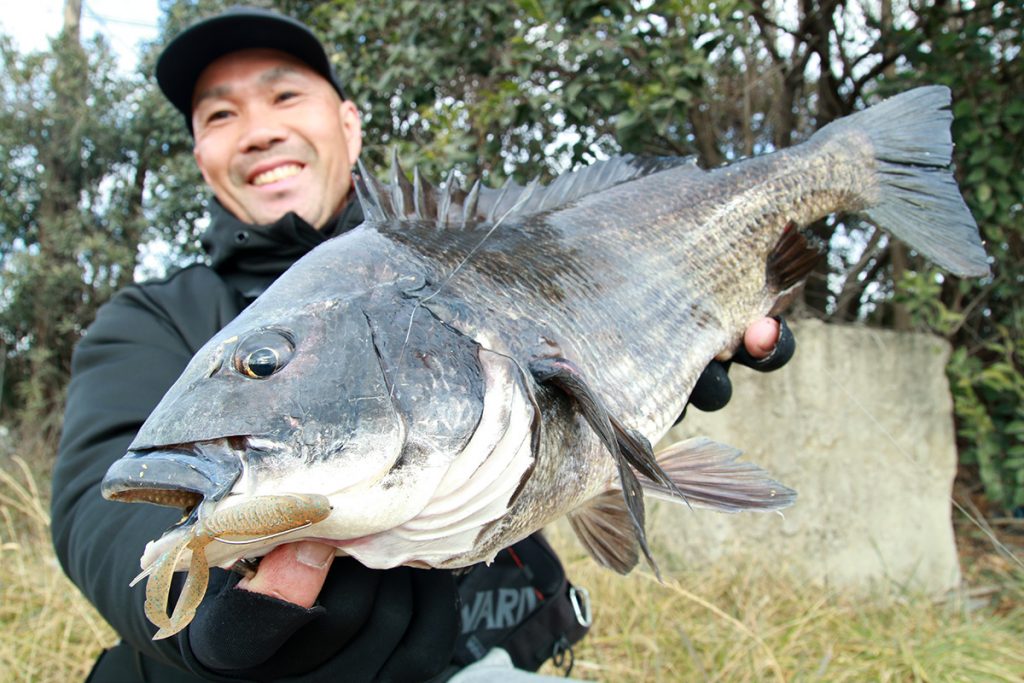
column 277, row 173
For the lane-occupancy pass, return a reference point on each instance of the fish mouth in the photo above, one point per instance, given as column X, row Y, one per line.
column 179, row 475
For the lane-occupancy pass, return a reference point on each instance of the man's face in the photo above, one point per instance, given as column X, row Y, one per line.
column 273, row 136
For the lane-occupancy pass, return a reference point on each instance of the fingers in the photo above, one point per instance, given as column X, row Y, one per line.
column 713, row 389
column 768, row 344
column 294, row 572
column 761, row 337
column 240, row 631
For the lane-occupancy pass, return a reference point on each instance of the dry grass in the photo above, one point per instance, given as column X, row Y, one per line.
column 753, row 625
column 48, row 632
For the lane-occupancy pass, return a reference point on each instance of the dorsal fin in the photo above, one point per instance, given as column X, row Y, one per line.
column 424, row 196
column 451, row 205
column 446, row 198
column 401, row 188
column 469, row 204
column 369, row 198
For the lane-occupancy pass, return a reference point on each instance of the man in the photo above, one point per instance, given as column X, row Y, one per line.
column 275, row 140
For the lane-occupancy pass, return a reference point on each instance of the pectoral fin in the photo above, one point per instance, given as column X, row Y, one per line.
column 626, row 446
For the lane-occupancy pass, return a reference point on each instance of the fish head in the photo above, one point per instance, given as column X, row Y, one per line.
column 364, row 404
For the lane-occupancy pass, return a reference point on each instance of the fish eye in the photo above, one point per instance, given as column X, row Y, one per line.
column 263, row 353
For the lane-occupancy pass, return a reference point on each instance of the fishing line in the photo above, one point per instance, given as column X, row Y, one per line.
column 259, row 539
column 524, row 196
column 986, row 531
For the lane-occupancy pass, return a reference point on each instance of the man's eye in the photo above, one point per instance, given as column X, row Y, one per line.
column 218, row 116
column 286, row 95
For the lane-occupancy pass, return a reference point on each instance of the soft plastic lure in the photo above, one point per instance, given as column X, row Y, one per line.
column 248, row 522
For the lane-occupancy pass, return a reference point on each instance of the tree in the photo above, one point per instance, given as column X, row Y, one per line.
column 92, row 164
column 70, row 207
column 974, row 49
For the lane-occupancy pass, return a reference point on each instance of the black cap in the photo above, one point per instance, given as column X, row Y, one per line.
column 238, row 28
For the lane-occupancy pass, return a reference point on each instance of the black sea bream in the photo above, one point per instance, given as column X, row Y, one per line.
column 466, row 367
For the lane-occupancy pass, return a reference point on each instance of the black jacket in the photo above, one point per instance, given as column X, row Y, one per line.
column 370, row 624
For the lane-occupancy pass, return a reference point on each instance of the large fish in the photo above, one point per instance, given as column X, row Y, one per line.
column 466, row 367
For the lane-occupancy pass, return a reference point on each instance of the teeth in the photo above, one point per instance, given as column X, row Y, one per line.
column 275, row 174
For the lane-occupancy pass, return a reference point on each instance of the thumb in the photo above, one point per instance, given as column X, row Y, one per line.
column 294, row 572
column 761, row 337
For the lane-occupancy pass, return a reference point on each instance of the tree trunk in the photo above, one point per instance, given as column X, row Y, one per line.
column 58, row 222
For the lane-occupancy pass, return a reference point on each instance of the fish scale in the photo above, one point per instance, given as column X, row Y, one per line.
column 710, row 273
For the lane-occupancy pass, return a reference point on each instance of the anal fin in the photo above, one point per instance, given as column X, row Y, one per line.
column 710, row 475
column 703, row 472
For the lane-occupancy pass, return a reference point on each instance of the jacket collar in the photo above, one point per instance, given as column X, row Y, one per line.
column 253, row 256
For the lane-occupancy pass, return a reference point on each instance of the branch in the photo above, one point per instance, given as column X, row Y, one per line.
column 969, row 308
column 704, row 133
column 671, row 145
column 848, row 291
column 873, row 72
column 767, row 26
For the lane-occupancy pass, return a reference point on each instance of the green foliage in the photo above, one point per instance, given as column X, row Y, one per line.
column 976, row 54
column 69, row 221
column 527, row 88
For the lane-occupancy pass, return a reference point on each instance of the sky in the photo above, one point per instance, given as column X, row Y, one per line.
column 32, row 22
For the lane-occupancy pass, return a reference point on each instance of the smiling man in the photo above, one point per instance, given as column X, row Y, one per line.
column 273, row 136
column 276, row 141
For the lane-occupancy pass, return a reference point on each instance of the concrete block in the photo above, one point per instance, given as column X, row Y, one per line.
column 860, row 424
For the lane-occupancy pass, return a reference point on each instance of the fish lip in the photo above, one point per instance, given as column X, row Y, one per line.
column 176, row 476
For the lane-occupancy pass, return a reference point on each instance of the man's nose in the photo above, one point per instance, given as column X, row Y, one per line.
column 261, row 134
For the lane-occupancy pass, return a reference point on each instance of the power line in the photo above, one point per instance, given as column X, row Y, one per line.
column 115, row 20
column 115, row 34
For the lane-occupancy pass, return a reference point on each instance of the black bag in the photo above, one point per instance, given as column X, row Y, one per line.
column 523, row 603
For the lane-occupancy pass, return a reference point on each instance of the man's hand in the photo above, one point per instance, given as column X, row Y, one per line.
column 294, row 572
column 306, row 612
column 768, row 344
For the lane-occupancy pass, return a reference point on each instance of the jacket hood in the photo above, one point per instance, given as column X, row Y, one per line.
column 253, row 256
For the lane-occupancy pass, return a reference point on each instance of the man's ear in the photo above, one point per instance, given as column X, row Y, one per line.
column 353, row 127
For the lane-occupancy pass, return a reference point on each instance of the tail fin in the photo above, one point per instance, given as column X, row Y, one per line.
column 917, row 198
column 709, row 476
